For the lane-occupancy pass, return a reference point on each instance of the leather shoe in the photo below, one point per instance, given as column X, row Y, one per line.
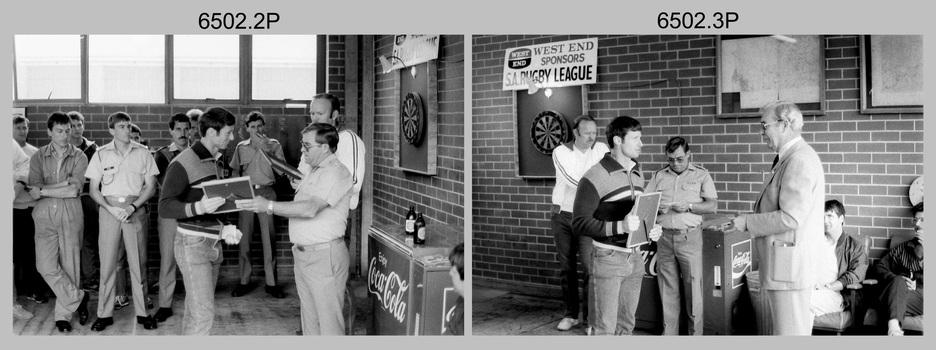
column 83, row 312
column 63, row 326
column 162, row 314
column 276, row 291
column 148, row 322
column 241, row 290
column 101, row 323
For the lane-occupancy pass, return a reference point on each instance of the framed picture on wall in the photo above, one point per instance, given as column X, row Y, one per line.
column 416, row 122
column 891, row 74
column 543, row 123
column 754, row 70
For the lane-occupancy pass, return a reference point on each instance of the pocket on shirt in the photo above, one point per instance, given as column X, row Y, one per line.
column 783, row 266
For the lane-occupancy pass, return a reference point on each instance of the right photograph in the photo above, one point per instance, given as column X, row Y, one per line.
column 697, row 184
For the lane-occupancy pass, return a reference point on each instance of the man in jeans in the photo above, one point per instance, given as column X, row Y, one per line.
column 571, row 161
column 603, row 203
column 197, row 242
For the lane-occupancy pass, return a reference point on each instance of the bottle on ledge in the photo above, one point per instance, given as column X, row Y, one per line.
column 420, row 230
column 410, row 226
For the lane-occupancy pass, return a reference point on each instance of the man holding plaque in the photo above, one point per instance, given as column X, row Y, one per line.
column 317, row 219
column 603, row 210
column 197, row 242
column 787, row 224
column 687, row 191
column 250, row 161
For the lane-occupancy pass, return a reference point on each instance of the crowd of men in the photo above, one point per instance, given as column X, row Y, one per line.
column 79, row 205
column 802, row 270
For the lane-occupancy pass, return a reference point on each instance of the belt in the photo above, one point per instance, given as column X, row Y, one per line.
column 613, row 247
column 685, row 230
column 319, row 246
column 120, row 201
column 200, row 234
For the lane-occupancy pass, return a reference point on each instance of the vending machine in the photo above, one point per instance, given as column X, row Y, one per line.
column 727, row 255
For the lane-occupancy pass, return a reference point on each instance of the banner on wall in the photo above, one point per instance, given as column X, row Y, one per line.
column 414, row 49
column 565, row 63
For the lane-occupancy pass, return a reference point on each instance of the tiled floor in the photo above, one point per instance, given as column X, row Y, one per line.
column 253, row 314
column 497, row 312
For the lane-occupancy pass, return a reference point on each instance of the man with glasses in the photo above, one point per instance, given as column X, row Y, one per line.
column 687, row 192
column 571, row 161
column 317, row 219
column 900, row 276
column 787, row 223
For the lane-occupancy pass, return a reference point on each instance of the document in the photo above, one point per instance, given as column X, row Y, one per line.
column 230, row 189
column 280, row 166
column 646, row 209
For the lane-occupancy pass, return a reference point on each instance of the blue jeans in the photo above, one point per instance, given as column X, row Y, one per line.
column 199, row 260
column 570, row 249
column 616, row 277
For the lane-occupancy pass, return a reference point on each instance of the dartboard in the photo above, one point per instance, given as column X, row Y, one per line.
column 412, row 118
column 549, row 130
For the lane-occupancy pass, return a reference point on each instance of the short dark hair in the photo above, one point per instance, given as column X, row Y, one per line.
column 135, row 129
column 675, row 143
column 116, row 118
column 335, row 104
column 20, row 119
column 324, row 132
column 75, row 115
column 578, row 120
column 254, row 116
column 457, row 259
column 216, row 118
column 619, row 127
column 918, row 208
column 59, row 118
column 835, row 206
column 179, row 118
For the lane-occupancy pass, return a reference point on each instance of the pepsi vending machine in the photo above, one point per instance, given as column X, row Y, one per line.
column 727, row 255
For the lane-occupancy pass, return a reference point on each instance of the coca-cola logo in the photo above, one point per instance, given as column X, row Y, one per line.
column 650, row 258
column 740, row 263
column 389, row 288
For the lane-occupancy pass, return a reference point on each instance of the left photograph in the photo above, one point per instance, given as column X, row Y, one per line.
column 238, row 185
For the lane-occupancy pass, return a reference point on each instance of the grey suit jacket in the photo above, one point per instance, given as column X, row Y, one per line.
column 787, row 223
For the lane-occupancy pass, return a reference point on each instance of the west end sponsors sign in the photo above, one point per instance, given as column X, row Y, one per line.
column 566, row 63
column 414, row 49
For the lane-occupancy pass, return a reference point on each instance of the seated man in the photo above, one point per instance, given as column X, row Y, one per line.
column 847, row 263
column 900, row 279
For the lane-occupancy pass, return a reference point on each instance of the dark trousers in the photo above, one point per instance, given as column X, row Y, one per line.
column 24, row 254
column 895, row 300
column 89, row 246
column 567, row 246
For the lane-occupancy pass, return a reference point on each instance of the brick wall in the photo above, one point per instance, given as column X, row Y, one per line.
column 440, row 197
column 869, row 160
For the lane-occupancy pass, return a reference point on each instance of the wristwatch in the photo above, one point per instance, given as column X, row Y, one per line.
column 269, row 209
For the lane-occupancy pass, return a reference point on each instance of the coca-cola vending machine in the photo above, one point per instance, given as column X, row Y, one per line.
column 727, row 255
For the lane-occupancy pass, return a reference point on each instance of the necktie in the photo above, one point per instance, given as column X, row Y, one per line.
column 775, row 160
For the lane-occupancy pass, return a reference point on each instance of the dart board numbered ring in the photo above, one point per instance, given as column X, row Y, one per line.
column 549, row 130
column 412, row 118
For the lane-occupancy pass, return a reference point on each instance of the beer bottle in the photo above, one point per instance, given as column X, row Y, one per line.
column 410, row 226
column 420, row 230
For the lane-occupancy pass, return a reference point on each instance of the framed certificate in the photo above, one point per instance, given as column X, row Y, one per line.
column 646, row 209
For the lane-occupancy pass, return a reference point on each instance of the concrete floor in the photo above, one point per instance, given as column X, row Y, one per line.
column 497, row 312
column 253, row 314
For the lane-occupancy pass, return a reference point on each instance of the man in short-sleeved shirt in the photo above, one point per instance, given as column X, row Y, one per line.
column 687, row 191
column 318, row 216
column 126, row 174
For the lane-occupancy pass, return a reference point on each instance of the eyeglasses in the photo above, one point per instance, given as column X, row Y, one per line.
column 676, row 160
column 308, row 146
column 764, row 125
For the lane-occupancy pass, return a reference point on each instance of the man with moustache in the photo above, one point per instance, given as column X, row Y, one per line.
column 899, row 293
column 24, row 232
column 325, row 109
column 179, row 127
column 199, row 231
column 89, row 247
column 571, row 161
column 604, row 201
column 123, row 178
column 56, row 175
column 787, row 223
column 317, row 219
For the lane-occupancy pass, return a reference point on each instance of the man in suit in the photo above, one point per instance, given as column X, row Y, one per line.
column 787, row 223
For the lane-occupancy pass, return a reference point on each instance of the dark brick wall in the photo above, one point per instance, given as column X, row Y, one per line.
column 869, row 160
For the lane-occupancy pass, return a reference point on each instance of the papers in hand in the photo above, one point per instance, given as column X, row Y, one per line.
column 230, row 189
column 646, row 209
column 280, row 166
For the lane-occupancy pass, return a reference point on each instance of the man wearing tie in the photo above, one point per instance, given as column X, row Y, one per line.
column 787, row 223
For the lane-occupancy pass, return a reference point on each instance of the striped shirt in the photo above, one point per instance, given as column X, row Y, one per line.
column 178, row 198
column 571, row 163
column 605, row 195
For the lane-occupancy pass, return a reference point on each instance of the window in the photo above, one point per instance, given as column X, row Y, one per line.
column 127, row 68
column 48, row 67
column 206, row 66
column 283, row 67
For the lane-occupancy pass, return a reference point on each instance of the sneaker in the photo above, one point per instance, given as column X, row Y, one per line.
column 567, row 323
column 120, row 301
column 38, row 298
column 21, row 313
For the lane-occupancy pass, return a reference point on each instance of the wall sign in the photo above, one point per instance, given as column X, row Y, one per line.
column 414, row 49
column 564, row 63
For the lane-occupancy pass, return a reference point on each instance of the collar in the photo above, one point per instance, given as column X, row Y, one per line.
column 611, row 165
column 786, row 147
column 202, row 152
column 691, row 166
column 173, row 147
column 113, row 146
column 571, row 145
column 70, row 150
column 331, row 157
